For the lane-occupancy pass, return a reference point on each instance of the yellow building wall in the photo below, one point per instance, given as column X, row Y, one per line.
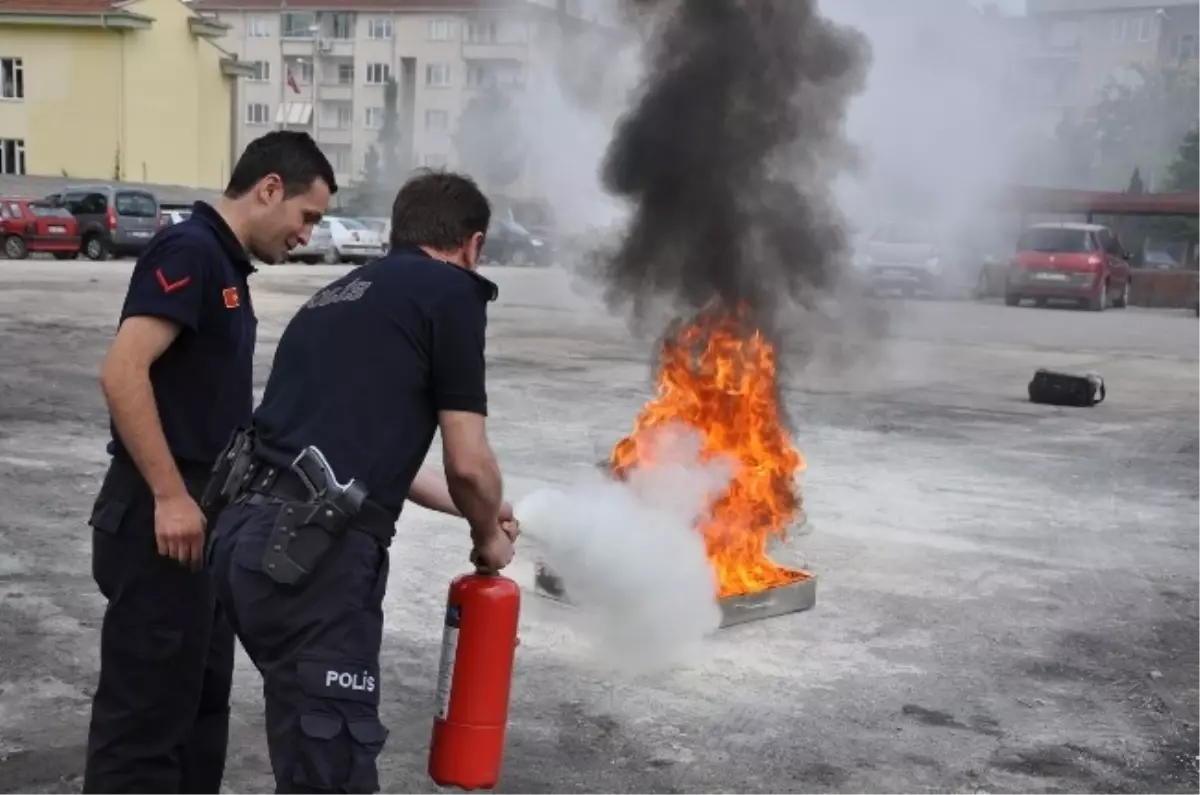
column 69, row 119
column 177, row 102
column 154, row 98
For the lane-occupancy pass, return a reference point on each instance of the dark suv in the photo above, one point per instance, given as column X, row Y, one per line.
column 113, row 221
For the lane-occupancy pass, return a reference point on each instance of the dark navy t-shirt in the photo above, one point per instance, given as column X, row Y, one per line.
column 364, row 367
column 195, row 274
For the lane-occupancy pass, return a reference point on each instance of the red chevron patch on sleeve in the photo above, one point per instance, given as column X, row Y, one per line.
column 169, row 286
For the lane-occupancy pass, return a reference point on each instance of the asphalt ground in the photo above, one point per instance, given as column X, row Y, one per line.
column 1007, row 593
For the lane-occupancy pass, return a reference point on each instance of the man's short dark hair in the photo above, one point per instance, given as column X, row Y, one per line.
column 439, row 209
column 293, row 156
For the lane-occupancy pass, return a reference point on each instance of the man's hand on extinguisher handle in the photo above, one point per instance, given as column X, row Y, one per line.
column 493, row 550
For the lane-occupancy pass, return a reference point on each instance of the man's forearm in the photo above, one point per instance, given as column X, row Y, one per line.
column 430, row 490
column 130, row 399
column 477, row 493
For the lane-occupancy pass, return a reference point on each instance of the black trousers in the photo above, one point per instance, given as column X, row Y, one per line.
column 160, row 715
column 317, row 647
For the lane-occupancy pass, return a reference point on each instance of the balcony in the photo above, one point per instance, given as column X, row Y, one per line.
column 495, row 51
column 334, row 91
column 297, row 47
column 342, row 136
column 335, row 48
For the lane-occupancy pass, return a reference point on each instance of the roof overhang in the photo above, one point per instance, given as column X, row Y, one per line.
column 207, row 27
column 232, row 67
column 119, row 20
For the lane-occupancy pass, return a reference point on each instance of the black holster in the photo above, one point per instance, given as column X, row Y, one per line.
column 303, row 533
column 230, row 473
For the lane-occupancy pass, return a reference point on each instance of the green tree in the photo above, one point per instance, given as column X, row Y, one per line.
column 383, row 171
column 391, row 137
column 490, row 140
column 1184, row 175
column 1135, row 183
column 1136, row 124
column 1177, row 232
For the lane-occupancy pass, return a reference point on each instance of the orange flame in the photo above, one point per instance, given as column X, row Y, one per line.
column 720, row 379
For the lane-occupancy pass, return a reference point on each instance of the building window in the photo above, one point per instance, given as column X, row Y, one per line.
column 341, row 26
column 300, row 70
column 257, row 28
column 378, row 73
column 345, row 74
column 493, row 76
column 340, row 157
column 481, row 32
column 437, row 75
column 374, row 118
column 12, row 156
column 1118, row 30
column 258, row 113
column 337, row 115
column 439, row 29
column 12, row 80
column 434, row 161
column 1144, row 27
column 262, row 71
column 1064, row 33
column 379, row 28
column 436, row 119
column 1187, row 47
column 298, row 24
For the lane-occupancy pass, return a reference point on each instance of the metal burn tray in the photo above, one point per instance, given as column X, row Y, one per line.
column 771, row 603
column 791, row 598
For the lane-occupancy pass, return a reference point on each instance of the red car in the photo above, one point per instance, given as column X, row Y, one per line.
column 1084, row 263
column 28, row 226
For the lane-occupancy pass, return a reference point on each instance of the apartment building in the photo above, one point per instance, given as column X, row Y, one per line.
column 1076, row 46
column 324, row 66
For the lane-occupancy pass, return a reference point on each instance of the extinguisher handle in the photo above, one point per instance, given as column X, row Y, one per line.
column 481, row 570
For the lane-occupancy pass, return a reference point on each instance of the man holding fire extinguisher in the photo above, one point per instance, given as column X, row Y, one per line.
column 364, row 375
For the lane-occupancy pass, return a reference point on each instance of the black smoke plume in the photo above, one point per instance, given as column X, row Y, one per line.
column 727, row 157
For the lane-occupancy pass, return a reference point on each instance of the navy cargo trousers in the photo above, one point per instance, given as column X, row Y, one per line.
column 160, row 714
column 317, row 646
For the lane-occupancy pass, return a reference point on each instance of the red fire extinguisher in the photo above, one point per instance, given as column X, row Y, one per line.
column 478, row 646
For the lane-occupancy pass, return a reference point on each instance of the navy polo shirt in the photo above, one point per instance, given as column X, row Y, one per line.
column 195, row 274
column 364, row 367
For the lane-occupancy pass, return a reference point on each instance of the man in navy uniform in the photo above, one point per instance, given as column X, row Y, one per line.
column 178, row 381
column 366, row 372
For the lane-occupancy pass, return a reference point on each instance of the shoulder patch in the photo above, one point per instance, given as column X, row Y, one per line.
column 168, row 284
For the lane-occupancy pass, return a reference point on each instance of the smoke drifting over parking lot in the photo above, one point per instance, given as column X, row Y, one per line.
column 738, row 98
column 943, row 126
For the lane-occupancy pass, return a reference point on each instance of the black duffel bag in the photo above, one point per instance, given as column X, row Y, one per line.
column 1066, row 389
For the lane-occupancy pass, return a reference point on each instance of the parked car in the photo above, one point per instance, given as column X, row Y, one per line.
column 902, row 257
column 381, row 226
column 509, row 243
column 318, row 248
column 30, row 227
column 353, row 241
column 173, row 213
column 1083, row 263
column 113, row 221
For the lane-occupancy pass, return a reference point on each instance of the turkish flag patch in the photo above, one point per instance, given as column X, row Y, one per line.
column 169, row 286
column 232, row 299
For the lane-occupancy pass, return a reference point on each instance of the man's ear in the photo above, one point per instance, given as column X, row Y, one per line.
column 270, row 190
column 475, row 248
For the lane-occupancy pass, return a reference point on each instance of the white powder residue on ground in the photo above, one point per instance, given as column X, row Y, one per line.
column 630, row 556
